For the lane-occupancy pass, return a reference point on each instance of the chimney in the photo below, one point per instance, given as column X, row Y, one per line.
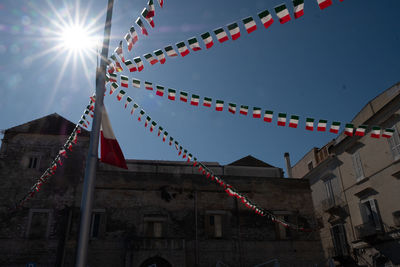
column 288, row 166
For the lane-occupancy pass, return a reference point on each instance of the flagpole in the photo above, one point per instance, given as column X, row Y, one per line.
column 91, row 161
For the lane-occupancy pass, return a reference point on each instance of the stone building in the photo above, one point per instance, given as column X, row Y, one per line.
column 156, row 213
column 355, row 183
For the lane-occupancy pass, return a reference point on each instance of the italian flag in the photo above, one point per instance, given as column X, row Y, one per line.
column 387, row 133
column 62, row 152
column 294, row 121
column 281, row 119
column 376, row 132
column 194, row 44
column 121, row 94
column 171, row 94
column 282, row 13
column 129, row 41
column 335, row 127
column 124, row 81
column 310, row 124
column 184, row 153
column 160, row 90
column 244, row 109
column 221, row 35
column 135, row 106
column 148, row 119
column 130, row 65
column 149, row 57
column 148, row 85
column 232, row 108
column 268, row 115
column 110, row 67
column 152, row 126
column 150, row 8
column 160, row 129
column 141, row 113
column 135, row 83
column 111, row 152
column 183, row 50
column 160, row 55
column 207, row 39
column 207, row 102
column 118, row 66
column 189, row 158
column 180, row 150
column 176, row 145
column 161, row 3
column 170, row 51
column 256, row 112
column 250, row 24
column 266, row 18
column 149, row 19
column 139, row 63
column 107, row 79
column 322, row 125
column 194, row 161
column 183, row 96
column 134, row 35
column 119, row 51
column 128, row 101
column 113, row 77
column 219, row 105
column 195, row 100
column 324, row 3
column 234, row 30
column 298, row 8
column 348, row 130
column 165, row 136
column 113, row 87
column 139, row 22
column 360, row 131
column 171, row 139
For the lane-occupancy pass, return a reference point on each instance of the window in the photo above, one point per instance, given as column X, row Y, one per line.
column 98, row 224
column 394, row 143
column 154, row 226
column 283, row 232
column 338, row 233
column 310, row 166
column 370, row 213
column 329, row 191
column 38, row 224
column 214, row 222
column 33, row 162
column 357, row 166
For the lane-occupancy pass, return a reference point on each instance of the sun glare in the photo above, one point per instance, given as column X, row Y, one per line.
column 77, row 38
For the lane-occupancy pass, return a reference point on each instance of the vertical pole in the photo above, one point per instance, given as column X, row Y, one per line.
column 91, row 161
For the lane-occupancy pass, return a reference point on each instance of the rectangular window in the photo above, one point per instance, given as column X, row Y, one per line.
column 338, row 233
column 310, row 166
column 214, row 225
column 154, row 226
column 33, row 162
column 370, row 213
column 97, row 225
column 357, row 166
column 38, row 227
column 394, row 143
column 329, row 191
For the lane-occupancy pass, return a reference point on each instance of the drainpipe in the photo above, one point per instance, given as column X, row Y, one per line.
column 288, row 166
column 196, row 238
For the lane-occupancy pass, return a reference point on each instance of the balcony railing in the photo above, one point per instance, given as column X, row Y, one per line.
column 331, row 203
column 367, row 230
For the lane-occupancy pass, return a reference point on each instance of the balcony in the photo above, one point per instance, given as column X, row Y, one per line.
column 367, row 230
column 332, row 205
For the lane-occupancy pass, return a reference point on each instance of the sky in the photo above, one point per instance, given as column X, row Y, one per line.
column 325, row 65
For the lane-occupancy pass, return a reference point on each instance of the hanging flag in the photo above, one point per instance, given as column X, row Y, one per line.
column 128, row 39
column 335, row 127
column 324, row 3
column 183, row 50
column 360, row 131
column 348, row 130
column 294, row 121
column 62, row 152
column 232, row 108
column 110, row 67
column 298, row 8
column 148, row 85
column 268, row 115
column 149, row 57
column 244, row 109
column 207, row 102
column 110, row 150
column 124, row 81
column 130, row 65
column 135, row 83
column 256, row 112
column 113, row 77
column 141, row 25
column 176, row 145
column 322, row 125
column 139, row 63
column 82, row 122
column 282, row 13
column 310, row 124
column 195, row 100
column 189, row 158
column 180, row 150
column 376, row 132
column 128, row 101
column 145, row 14
column 141, row 113
column 207, row 39
column 170, row 51
column 194, row 161
column 131, row 38
column 387, row 133
column 119, row 51
column 152, row 126
column 266, row 18
column 234, row 30
column 221, row 35
column 219, row 105
column 113, row 87
column 171, row 94
column 249, row 24
column 170, row 140
column 150, row 8
column 148, row 119
column 160, row 90
column 121, row 94
column 107, row 79
column 135, row 106
column 118, row 66
column 161, row 2
column 281, row 119
column 160, row 129
column 194, row 44
column 183, row 96
column 165, row 136
column 160, row 56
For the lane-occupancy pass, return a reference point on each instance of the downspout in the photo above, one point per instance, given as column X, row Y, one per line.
column 196, row 231
column 238, row 232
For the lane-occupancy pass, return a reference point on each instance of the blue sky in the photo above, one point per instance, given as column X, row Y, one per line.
column 326, row 65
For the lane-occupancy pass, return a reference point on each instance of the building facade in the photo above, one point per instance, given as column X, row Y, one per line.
column 156, row 213
column 355, row 183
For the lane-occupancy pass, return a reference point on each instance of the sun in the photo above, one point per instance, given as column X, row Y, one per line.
column 77, row 38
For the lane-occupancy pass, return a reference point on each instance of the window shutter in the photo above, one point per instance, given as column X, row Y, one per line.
column 375, row 214
column 357, row 165
column 364, row 214
column 394, row 143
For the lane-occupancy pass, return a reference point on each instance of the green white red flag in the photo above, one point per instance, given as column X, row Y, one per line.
column 232, row 108
column 119, row 51
column 113, row 87
column 131, row 38
column 121, row 94
column 268, row 115
column 360, row 131
column 266, row 18
column 170, row 51
column 134, row 107
column 160, row 129
column 249, row 24
column 219, row 105
column 171, row 139
column 118, row 66
column 171, row 94
column 128, row 101
column 165, row 136
column 160, row 56
column 324, row 3
column 207, row 102
column 207, row 39
column 153, row 125
column 149, row 57
column 141, row 113
column 139, row 63
column 148, row 85
column 335, row 126
column 161, row 3
column 310, row 124
column 322, row 125
column 183, row 96
column 281, row 119
column 256, row 112
column 244, row 109
column 221, row 35
column 298, row 8
column 283, row 13
column 145, row 14
column 349, row 129
column 294, row 121
column 195, row 100
column 150, row 8
column 148, row 119
column 194, row 44
column 124, row 81
column 376, row 132
column 234, row 30
column 139, row 22
column 113, row 77
column 135, row 83
column 159, row 90
column 387, row 133
column 130, row 65
column 182, row 49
